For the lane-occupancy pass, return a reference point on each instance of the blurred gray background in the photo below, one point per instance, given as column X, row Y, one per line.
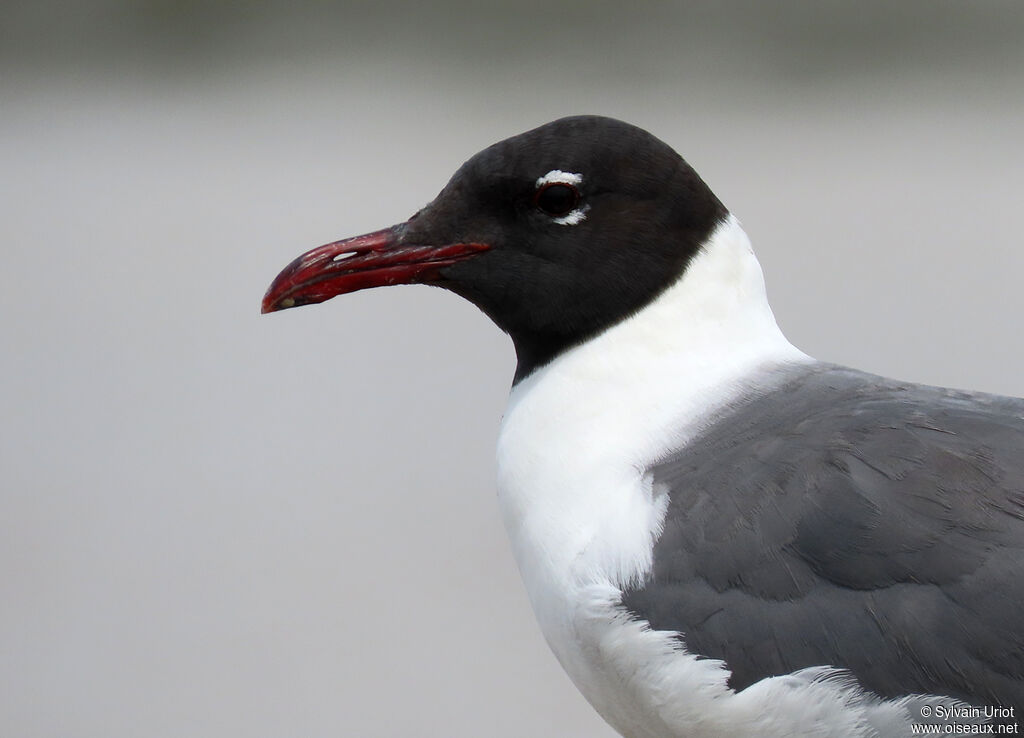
column 214, row 523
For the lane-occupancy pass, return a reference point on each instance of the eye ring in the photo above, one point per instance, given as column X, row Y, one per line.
column 557, row 199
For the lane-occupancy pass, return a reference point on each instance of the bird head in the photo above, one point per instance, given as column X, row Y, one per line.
column 556, row 234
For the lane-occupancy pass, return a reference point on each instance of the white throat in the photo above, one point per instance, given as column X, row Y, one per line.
column 580, row 434
column 609, row 408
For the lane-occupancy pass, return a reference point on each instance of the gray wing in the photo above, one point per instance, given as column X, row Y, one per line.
column 848, row 520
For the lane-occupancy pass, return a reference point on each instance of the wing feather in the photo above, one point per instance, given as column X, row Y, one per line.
column 848, row 520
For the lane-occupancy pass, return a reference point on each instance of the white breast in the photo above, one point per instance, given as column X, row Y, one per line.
column 575, row 445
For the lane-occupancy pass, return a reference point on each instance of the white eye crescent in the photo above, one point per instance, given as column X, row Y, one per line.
column 558, row 196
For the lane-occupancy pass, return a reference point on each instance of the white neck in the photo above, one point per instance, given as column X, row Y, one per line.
column 576, row 445
column 579, row 433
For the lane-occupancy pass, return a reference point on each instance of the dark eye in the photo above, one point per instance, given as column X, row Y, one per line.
column 557, row 198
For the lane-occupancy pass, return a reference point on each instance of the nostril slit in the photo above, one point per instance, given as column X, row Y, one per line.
column 342, row 257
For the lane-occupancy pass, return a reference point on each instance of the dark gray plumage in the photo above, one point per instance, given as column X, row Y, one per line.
column 855, row 521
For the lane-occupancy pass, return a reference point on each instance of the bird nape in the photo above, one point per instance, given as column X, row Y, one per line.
column 719, row 535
